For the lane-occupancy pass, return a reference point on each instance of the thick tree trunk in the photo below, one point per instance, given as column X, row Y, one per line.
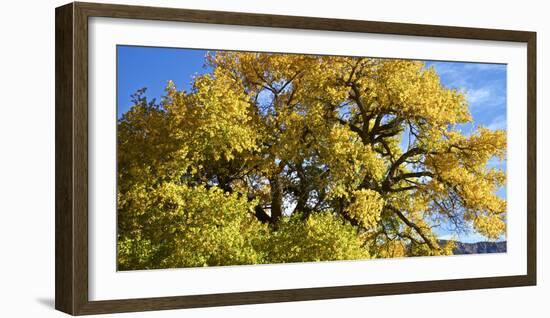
column 302, row 195
column 276, row 199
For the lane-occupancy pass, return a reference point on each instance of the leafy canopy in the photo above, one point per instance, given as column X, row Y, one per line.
column 285, row 158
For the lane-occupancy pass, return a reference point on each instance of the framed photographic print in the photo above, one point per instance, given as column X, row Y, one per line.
column 211, row 158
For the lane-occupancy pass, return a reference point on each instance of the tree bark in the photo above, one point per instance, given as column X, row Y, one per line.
column 260, row 214
column 276, row 199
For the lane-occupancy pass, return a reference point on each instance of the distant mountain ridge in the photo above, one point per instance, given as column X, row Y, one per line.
column 477, row 248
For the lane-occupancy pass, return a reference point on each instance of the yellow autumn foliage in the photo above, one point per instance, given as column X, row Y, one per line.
column 273, row 158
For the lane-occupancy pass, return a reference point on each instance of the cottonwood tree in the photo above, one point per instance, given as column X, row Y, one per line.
column 285, row 158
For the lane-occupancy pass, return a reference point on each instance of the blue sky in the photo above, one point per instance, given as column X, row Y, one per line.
column 148, row 67
column 484, row 85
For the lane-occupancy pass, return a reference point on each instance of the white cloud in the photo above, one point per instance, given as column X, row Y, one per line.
column 474, row 238
column 484, row 67
column 448, row 237
column 478, row 96
column 498, row 123
column 486, row 96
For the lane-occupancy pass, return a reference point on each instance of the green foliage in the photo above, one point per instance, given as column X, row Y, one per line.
column 317, row 237
column 181, row 226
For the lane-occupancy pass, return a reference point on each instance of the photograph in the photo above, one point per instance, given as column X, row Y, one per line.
column 248, row 158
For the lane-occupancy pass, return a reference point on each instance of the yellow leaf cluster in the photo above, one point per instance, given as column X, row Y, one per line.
column 366, row 207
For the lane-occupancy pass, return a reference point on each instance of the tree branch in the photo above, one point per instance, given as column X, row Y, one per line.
column 412, row 225
column 351, row 126
column 389, row 126
column 356, row 96
column 410, row 153
column 418, row 174
column 401, row 189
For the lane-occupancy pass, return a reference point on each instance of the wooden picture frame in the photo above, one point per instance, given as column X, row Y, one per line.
column 71, row 158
